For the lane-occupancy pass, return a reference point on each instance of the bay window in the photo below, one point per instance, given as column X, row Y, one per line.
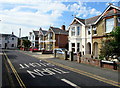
column 118, row 21
column 109, row 25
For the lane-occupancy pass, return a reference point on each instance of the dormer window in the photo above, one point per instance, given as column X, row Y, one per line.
column 73, row 31
column 109, row 25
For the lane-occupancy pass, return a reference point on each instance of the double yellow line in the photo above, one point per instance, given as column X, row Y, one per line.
column 22, row 85
column 111, row 82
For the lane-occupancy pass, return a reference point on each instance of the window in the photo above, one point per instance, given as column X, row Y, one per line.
column 73, row 47
column 109, row 25
column 78, row 30
column 89, row 31
column 12, row 38
column 12, row 45
column 73, row 31
column 78, row 47
column 50, row 35
column 73, row 44
column 94, row 30
column 33, row 37
column 5, row 38
column 118, row 21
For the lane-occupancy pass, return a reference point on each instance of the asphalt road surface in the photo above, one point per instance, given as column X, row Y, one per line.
column 24, row 71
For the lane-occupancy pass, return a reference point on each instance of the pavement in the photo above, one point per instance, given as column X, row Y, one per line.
column 28, row 70
column 98, row 71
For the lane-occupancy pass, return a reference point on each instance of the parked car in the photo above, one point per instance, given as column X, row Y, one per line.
column 34, row 49
column 60, row 50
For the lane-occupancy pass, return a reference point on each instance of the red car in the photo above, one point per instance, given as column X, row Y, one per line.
column 34, row 49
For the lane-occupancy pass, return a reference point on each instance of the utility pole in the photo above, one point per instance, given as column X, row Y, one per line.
column 20, row 33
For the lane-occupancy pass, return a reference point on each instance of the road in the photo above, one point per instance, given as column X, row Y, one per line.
column 24, row 71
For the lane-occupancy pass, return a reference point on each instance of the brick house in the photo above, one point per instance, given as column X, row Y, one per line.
column 105, row 23
column 56, row 38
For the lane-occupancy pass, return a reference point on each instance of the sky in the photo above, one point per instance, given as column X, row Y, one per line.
column 32, row 14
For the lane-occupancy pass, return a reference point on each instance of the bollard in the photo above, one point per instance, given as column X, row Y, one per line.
column 54, row 53
column 65, row 55
column 71, row 56
column 79, row 56
column 114, row 65
column 101, row 64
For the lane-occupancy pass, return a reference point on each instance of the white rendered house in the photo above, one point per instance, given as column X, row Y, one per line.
column 8, row 41
column 34, row 38
column 80, row 37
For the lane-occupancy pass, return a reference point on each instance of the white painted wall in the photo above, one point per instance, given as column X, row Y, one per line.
column 83, row 38
column 9, row 42
column 75, row 39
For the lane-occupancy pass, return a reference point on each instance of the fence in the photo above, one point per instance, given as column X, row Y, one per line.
column 88, row 60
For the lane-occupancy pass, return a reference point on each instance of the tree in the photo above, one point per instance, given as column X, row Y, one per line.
column 111, row 46
column 26, row 43
column 116, row 40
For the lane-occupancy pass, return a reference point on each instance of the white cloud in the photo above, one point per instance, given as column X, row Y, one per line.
column 46, row 13
column 81, row 10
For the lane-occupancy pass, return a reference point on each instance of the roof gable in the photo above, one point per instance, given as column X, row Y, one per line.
column 81, row 21
column 43, row 32
column 36, row 32
column 110, row 6
column 8, row 35
column 58, row 31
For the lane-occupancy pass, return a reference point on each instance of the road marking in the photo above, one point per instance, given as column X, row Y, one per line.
column 68, row 82
column 8, row 70
column 15, row 72
column 99, row 78
column 86, row 74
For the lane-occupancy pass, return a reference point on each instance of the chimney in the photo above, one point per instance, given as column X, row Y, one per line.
column 63, row 27
column 110, row 4
column 12, row 33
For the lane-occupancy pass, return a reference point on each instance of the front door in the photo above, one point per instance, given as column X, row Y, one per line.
column 5, row 45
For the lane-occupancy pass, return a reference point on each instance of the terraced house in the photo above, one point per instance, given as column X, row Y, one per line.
column 56, row 38
column 34, row 38
column 42, row 39
column 87, row 35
